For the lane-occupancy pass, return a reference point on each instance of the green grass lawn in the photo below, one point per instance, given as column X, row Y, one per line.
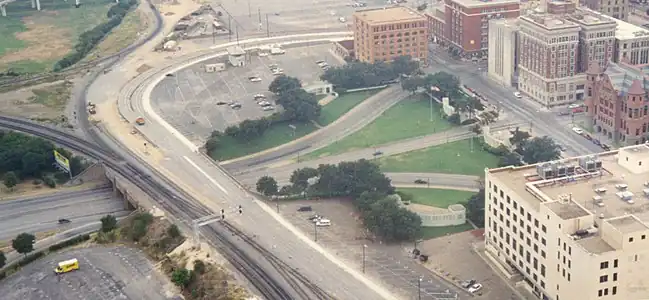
column 45, row 36
column 280, row 134
column 436, row 197
column 452, row 158
column 435, row 232
column 408, row 118
column 276, row 135
column 341, row 105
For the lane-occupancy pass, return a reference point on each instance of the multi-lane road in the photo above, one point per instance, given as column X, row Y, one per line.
column 41, row 213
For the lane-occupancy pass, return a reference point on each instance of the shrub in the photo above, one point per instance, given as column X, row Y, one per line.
column 173, row 231
column 70, row 242
column 199, row 266
column 49, row 181
column 30, row 258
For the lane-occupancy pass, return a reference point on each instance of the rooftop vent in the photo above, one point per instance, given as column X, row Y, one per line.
column 545, row 171
column 590, row 163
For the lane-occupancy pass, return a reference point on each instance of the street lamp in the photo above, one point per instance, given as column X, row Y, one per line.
column 315, row 230
column 419, row 288
column 364, row 246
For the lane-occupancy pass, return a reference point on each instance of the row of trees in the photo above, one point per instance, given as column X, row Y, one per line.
column 298, row 106
column 23, row 244
column 370, row 190
column 89, row 39
column 360, row 74
column 23, row 156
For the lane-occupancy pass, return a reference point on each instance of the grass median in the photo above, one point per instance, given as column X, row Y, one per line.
column 459, row 157
column 407, row 119
column 281, row 133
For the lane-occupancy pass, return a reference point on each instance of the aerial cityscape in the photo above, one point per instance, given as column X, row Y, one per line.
column 332, row 149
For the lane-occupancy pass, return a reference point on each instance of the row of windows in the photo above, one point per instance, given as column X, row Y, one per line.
column 604, row 292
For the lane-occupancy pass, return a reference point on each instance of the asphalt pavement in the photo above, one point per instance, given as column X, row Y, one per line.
column 41, row 213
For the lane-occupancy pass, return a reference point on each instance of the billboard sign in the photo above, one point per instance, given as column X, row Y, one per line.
column 62, row 161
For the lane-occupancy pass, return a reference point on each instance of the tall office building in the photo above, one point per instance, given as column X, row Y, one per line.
column 574, row 228
column 384, row 34
column 503, row 51
column 618, row 9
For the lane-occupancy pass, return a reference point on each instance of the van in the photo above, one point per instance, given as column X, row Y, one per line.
column 67, row 266
column 323, row 223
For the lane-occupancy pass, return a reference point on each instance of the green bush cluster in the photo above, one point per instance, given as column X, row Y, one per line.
column 89, row 39
column 71, row 242
column 361, row 75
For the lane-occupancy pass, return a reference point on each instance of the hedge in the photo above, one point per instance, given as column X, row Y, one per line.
column 70, row 242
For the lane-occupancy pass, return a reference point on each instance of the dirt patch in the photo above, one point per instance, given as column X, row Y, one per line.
column 36, row 188
column 45, row 42
column 43, row 102
column 143, row 68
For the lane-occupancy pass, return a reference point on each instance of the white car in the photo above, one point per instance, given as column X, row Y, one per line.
column 574, row 106
column 263, row 103
column 263, row 54
column 267, row 108
column 319, row 62
column 323, row 223
column 254, row 79
column 474, row 288
column 342, row 20
column 260, row 96
column 518, row 95
column 578, row 130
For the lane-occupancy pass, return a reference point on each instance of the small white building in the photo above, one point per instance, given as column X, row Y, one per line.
column 236, row 56
column 320, row 88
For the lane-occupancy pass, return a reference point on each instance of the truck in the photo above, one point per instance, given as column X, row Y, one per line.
column 276, row 51
column 67, row 266
column 139, row 121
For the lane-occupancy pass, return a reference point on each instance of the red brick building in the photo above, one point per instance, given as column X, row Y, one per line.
column 466, row 23
column 616, row 102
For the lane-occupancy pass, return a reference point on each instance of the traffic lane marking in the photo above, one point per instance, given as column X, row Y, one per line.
column 206, row 175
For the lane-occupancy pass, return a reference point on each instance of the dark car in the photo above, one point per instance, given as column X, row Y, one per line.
column 421, row 181
column 305, row 208
column 64, row 221
column 221, row 103
column 377, row 153
column 170, row 75
column 605, row 147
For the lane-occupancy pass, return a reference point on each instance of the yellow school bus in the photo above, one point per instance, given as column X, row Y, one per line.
column 67, row 266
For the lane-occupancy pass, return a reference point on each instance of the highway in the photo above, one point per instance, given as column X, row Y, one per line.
column 41, row 213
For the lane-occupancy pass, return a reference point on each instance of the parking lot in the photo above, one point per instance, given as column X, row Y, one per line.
column 454, row 257
column 104, row 273
column 195, row 102
column 391, row 265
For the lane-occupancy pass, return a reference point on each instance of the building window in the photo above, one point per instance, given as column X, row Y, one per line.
column 630, row 240
column 615, row 263
column 603, row 278
column 614, row 290
column 614, row 276
column 604, row 265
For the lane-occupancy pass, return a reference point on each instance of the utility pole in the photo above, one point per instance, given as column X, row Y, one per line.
column 267, row 28
column 249, row 11
column 229, row 28
column 237, row 29
column 259, row 14
column 431, row 106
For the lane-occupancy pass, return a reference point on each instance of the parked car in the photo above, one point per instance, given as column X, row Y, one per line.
column 314, row 218
column 260, row 96
column 264, row 103
column 254, row 79
column 468, row 283
column 305, row 208
column 574, row 105
column 221, row 103
column 323, row 223
column 267, row 108
column 563, row 113
column 235, row 105
column 474, row 288
column 377, row 153
column 605, row 147
column 518, row 95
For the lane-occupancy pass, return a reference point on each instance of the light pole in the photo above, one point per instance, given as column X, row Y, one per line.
column 315, row 231
column 364, row 246
column 419, row 288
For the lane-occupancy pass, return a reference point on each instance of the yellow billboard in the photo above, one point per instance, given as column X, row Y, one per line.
column 62, row 161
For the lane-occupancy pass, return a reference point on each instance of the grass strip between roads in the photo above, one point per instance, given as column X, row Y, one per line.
column 407, row 119
column 281, row 133
column 451, row 158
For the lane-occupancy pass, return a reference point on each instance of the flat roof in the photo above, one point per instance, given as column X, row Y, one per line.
column 389, row 15
column 626, row 31
column 588, row 17
column 550, row 22
column 485, row 3
column 628, row 224
column 235, row 50
column 598, row 192
column 595, row 244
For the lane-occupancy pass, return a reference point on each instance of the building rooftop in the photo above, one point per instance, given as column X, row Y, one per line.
column 389, row 15
column 549, row 22
column 236, row 50
column 610, row 187
column 587, row 17
column 485, row 3
column 622, row 76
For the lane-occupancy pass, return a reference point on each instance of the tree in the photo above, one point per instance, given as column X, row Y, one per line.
column 447, row 84
column 173, row 231
column 411, row 84
column 509, row 159
column 181, row 277
column 404, row 65
column 10, row 180
column 24, row 243
column 518, row 137
column 282, row 84
column 3, row 259
column 299, row 178
column 108, row 223
column 299, row 105
column 539, row 149
column 393, row 223
column 267, row 186
column 475, row 208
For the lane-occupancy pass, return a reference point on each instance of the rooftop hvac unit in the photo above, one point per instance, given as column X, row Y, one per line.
column 545, row 171
column 570, row 170
column 590, row 163
column 561, row 170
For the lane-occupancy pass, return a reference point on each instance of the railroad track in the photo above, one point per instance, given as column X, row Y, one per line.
column 184, row 208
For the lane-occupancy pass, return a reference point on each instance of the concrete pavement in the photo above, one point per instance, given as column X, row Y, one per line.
column 41, row 214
